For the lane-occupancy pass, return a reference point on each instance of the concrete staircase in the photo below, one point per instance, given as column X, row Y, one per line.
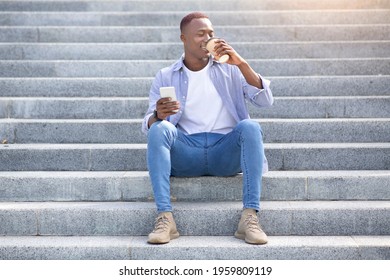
column 74, row 81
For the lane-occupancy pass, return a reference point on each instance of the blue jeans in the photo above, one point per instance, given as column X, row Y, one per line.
column 172, row 153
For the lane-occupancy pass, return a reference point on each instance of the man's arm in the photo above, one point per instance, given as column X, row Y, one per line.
column 250, row 75
column 252, row 78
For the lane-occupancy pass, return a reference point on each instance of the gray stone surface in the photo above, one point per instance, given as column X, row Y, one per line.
column 195, row 247
column 126, row 157
column 44, row 157
column 170, row 34
column 325, row 107
column 256, row 17
column 374, row 247
column 128, row 130
column 177, row 5
column 76, row 87
column 360, row 85
column 169, row 51
column 135, row 186
column 136, row 107
column 279, row 247
column 328, row 156
column 75, row 100
column 359, row 185
column 64, row 248
column 221, row 247
column 199, row 219
column 15, row 220
column 83, row 108
column 75, row 108
column 148, row 68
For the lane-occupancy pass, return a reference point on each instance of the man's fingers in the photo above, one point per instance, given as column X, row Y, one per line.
column 166, row 108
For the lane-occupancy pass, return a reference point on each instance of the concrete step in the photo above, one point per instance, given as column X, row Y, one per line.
column 177, row 5
column 139, row 87
column 194, row 218
column 326, row 107
column 85, row 87
column 253, row 33
column 169, row 18
column 333, row 202
column 135, row 186
column 132, row 157
column 136, row 107
column 149, row 68
column 128, row 130
column 170, row 51
column 194, row 247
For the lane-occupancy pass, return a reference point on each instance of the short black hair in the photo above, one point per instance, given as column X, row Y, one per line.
column 188, row 18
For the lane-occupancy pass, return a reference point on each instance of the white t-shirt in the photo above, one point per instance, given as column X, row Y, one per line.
column 204, row 110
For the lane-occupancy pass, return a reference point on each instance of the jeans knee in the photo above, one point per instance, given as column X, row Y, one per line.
column 162, row 130
column 249, row 127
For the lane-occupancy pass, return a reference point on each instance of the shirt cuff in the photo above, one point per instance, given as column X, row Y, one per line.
column 145, row 123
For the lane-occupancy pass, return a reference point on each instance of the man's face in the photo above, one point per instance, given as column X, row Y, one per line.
column 194, row 37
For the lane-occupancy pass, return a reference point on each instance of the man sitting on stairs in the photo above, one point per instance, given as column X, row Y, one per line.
column 207, row 131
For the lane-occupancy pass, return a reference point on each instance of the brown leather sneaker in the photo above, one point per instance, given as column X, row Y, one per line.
column 249, row 228
column 164, row 229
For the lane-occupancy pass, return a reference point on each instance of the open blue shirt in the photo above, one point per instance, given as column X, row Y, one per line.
column 228, row 81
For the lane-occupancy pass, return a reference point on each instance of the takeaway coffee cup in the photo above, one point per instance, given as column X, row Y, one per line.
column 210, row 44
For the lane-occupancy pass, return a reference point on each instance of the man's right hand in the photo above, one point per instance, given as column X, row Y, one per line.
column 165, row 107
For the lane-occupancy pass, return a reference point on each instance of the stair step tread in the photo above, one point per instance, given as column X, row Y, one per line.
column 205, row 206
column 195, row 247
column 360, row 85
column 274, row 174
column 70, row 146
column 169, row 33
column 128, row 130
column 169, row 18
column 285, row 156
column 195, row 218
column 135, row 107
column 125, row 51
column 142, row 68
column 56, row 54
column 187, row 5
column 135, row 186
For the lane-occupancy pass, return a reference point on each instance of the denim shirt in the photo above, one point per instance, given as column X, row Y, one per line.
column 228, row 81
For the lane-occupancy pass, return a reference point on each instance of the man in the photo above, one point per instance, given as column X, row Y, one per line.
column 207, row 131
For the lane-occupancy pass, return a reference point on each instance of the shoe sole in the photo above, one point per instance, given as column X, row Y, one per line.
column 243, row 237
column 172, row 236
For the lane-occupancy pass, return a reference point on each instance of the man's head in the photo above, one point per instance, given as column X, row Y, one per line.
column 196, row 29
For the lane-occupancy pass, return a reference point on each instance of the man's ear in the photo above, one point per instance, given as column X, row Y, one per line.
column 182, row 38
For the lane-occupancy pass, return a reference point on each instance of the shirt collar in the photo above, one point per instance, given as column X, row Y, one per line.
column 180, row 63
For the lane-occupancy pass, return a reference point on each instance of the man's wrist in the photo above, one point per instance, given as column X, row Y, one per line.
column 155, row 115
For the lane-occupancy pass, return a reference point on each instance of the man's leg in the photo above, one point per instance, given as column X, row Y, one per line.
column 161, row 137
column 170, row 152
column 244, row 147
column 241, row 151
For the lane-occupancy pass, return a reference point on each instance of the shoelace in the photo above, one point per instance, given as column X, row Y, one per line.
column 161, row 224
column 252, row 223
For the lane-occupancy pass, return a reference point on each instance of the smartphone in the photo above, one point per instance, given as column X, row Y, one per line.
column 168, row 92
